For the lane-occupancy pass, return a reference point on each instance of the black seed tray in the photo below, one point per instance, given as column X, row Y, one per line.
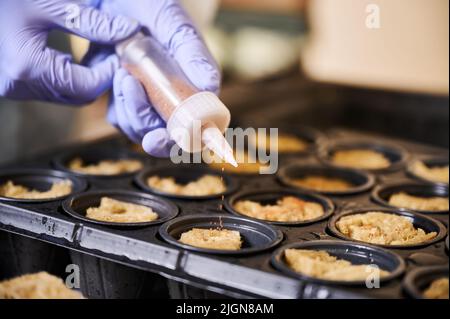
column 244, row 275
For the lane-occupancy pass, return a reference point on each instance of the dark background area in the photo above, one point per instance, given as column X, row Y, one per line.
column 296, row 100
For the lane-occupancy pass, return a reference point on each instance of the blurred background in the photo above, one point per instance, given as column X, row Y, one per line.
column 374, row 65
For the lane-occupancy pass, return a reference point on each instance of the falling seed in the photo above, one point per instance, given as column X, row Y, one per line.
column 223, row 196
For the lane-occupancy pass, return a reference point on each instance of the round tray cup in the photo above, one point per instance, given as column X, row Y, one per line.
column 41, row 180
column 77, row 205
column 362, row 181
column 270, row 197
column 94, row 156
column 429, row 162
column 382, row 193
column 356, row 253
column 424, row 222
column 184, row 174
column 395, row 154
column 256, row 236
column 418, row 280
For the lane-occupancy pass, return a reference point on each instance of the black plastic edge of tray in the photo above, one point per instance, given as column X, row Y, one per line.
column 48, row 176
column 96, row 155
column 347, row 174
column 186, row 223
column 397, row 155
column 418, row 189
column 186, row 174
column 418, row 222
column 430, row 161
column 417, row 279
column 346, row 246
column 168, row 209
column 326, row 203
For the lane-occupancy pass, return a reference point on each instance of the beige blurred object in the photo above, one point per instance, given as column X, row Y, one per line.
column 276, row 6
column 79, row 47
column 260, row 53
column 220, row 44
column 202, row 12
column 90, row 122
column 408, row 52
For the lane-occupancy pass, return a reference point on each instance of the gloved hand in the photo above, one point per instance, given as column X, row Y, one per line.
column 31, row 70
column 129, row 108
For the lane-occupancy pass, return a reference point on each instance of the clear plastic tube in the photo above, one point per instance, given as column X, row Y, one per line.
column 175, row 98
column 165, row 83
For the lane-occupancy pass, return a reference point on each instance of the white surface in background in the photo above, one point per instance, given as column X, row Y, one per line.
column 202, row 12
column 408, row 52
column 260, row 53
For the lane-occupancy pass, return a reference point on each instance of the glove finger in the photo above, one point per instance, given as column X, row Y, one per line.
column 124, row 125
column 157, row 143
column 90, row 23
column 177, row 33
column 143, row 117
column 73, row 82
column 111, row 115
column 119, row 107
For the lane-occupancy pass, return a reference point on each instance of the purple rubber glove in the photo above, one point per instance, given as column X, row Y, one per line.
column 31, row 70
column 130, row 109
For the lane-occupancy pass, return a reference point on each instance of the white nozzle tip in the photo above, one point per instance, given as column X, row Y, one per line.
column 216, row 142
column 229, row 158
